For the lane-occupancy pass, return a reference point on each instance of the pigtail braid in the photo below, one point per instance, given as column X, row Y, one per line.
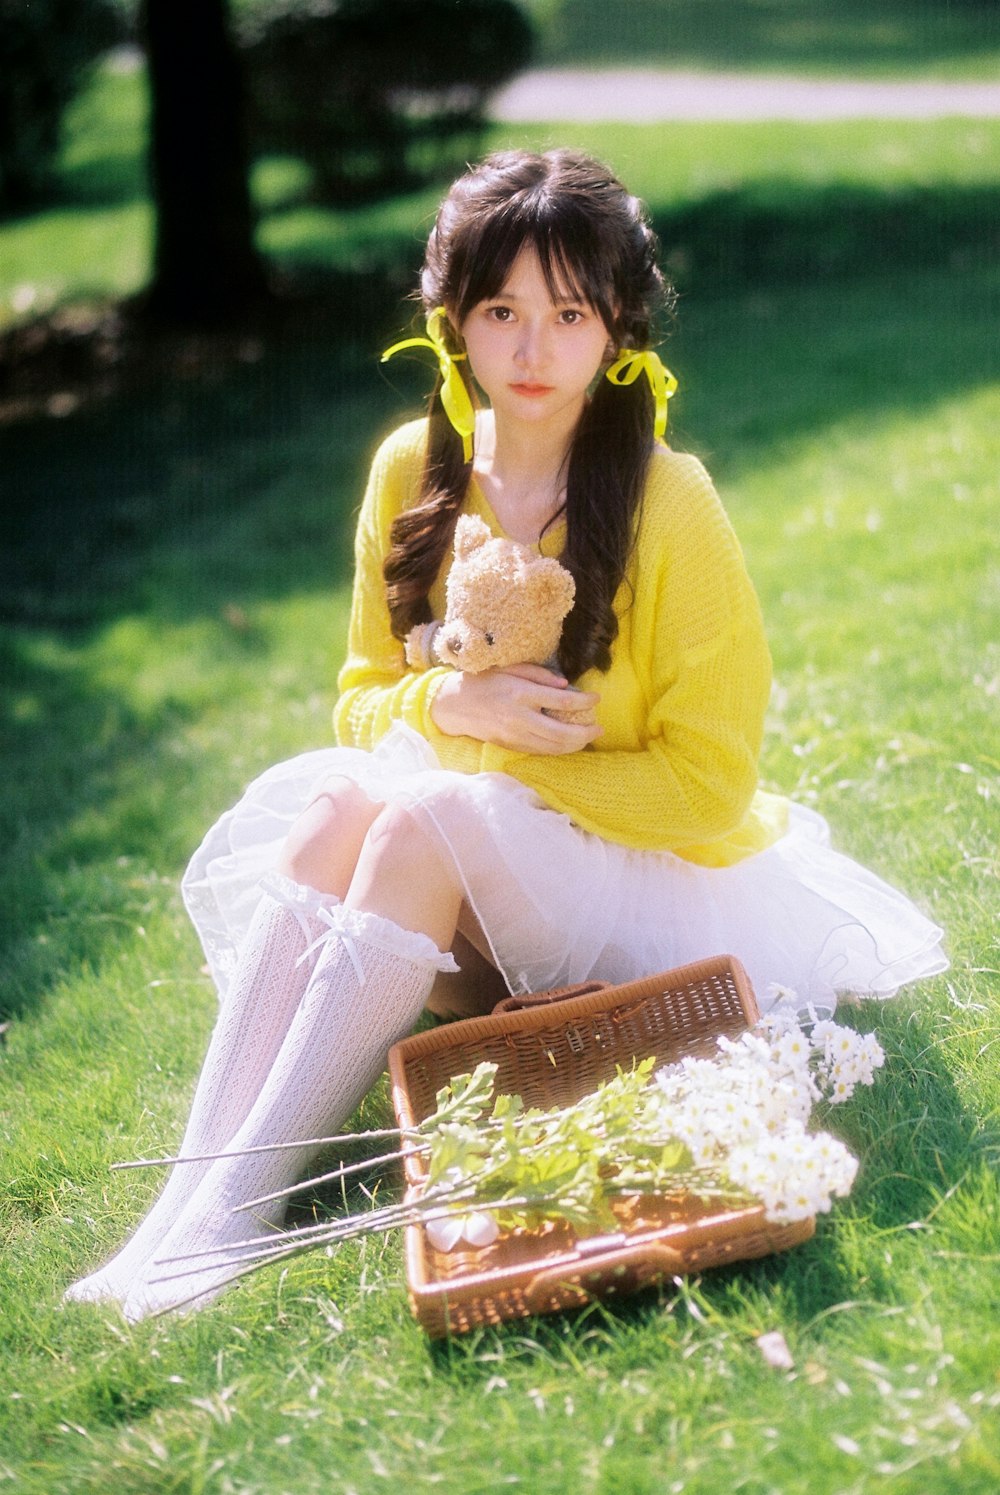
column 421, row 536
column 607, row 473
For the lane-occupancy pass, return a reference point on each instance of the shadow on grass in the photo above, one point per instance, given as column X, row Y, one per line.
column 776, row 234
column 191, row 504
column 114, row 173
column 170, row 498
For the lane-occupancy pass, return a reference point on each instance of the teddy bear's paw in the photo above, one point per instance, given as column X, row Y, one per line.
column 418, row 646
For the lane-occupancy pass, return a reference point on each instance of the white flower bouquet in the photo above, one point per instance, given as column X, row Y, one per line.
column 732, row 1126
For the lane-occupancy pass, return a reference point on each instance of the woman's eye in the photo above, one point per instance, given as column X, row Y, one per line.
column 570, row 316
column 500, row 313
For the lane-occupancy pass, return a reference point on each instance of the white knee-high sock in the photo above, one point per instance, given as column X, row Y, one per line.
column 271, row 975
column 368, row 989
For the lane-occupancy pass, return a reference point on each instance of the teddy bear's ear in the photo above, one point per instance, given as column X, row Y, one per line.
column 552, row 586
column 471, row 532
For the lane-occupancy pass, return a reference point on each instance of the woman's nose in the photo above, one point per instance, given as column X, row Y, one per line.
column 531, row 345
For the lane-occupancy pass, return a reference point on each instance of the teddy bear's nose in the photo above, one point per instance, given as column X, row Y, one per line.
column 454, row 644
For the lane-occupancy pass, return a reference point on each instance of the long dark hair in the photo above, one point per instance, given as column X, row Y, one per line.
column 593, row 242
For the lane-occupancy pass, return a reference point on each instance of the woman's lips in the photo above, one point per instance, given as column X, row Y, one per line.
column 532, row 389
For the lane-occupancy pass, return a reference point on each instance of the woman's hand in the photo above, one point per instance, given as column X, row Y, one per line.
column 508, row 709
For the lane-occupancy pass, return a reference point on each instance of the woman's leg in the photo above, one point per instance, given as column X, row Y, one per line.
column 323, row 846
column 473, row 990
column 270, row 979
column 370, row 985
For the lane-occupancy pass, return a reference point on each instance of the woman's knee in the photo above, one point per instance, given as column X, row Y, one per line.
column 397, row 835
column 323, row 845
column 402, row 850
column 405, row 873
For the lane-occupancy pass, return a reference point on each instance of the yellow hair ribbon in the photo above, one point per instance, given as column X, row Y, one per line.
column 626, row 370
column 454, row 394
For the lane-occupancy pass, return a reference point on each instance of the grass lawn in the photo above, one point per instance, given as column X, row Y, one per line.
column 872, row 38
column 175, row 578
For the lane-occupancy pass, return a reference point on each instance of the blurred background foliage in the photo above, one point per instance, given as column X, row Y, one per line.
column 48, row 50
column 366, row 97
column 371, row 95
column 375, row 97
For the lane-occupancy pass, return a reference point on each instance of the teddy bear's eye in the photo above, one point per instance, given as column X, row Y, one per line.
column 488, row 637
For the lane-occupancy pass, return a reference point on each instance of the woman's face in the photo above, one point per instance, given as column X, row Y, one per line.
column 535, row 357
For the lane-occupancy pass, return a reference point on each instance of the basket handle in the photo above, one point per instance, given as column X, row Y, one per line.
column 522, row 1000
column 657, row 1260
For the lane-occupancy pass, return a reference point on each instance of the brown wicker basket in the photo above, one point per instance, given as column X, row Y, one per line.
column 552, row 1052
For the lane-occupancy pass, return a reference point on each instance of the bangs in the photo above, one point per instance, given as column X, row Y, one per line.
column 568, row 250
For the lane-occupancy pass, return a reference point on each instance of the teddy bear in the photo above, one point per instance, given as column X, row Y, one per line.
column 505, row 605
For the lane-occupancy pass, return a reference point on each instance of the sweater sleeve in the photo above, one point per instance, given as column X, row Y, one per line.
column 693, row 629
column 376, row 687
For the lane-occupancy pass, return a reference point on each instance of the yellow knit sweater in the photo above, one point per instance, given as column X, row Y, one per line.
column 682, row 703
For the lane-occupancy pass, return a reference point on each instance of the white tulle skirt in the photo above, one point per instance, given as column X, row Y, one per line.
column 558, row 904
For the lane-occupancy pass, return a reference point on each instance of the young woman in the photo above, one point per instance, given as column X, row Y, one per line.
column 457, row 808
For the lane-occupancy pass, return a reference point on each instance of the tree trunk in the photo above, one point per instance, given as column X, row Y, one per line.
column 205, row 267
